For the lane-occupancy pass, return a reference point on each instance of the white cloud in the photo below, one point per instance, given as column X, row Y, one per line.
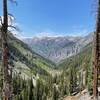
column 48, row 34
column 75, row 32
column 43, row 34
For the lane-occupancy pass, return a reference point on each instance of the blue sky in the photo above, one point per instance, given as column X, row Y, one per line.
column 53, row 17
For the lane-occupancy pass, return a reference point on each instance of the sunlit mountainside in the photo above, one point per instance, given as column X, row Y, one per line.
column 58, row 48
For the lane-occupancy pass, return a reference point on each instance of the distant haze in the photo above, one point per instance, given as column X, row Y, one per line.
column 58, row 48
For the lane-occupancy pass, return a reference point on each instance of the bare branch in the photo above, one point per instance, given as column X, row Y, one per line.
column 11, row 19
column 15, row 28
column 11, row 15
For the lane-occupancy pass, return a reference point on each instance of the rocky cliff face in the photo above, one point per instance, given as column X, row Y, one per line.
column 58, row 48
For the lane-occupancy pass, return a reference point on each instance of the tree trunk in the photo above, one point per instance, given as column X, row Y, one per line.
column 6, row 72
column 96, row 55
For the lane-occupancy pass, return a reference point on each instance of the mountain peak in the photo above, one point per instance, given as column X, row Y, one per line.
column 57, row 48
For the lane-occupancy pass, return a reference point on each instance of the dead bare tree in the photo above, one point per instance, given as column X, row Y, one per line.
column 7, row 73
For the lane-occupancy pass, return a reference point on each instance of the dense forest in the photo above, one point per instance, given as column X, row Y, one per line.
column 35, row 78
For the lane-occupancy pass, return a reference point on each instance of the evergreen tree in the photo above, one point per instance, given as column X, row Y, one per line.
column 55, row 93
column 31, row 96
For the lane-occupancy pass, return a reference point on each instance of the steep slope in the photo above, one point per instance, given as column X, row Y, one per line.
column 83, row 57
column 82, row 66
column 58, row 48
column 30, row 64
column 26, row 61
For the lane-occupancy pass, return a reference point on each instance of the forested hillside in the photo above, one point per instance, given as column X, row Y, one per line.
column 24, row 55
column 80, row 67
column 36, row 78
column 28, row 66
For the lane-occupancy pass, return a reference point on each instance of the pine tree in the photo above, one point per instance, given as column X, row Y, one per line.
column 55, row 93
column 71, row 82
column 31, row 96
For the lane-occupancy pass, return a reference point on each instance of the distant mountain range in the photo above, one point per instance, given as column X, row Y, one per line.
column 58, row 48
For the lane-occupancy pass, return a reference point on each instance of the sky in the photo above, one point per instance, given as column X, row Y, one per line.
column 53, row 17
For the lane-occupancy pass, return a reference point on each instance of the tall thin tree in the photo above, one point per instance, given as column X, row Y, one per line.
column 7, row 94
column 96, row 55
